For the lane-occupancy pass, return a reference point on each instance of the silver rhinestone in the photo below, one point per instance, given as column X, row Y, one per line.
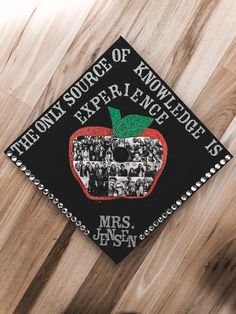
column 9, row 153
column 151, row 228
column 32, row 177
column 36, row 181
column 55, row 200
column 147, row 232
column 50, row 196
column 27, row 172
column 18, row 163
column 164, row 215
column 78, row 223
column 160, row 219
column 64, row 210
column 188, row 193
column 86, row 232
column 82, row 227
column 208, row 175
column 14, row 158
column 198, row 184
column 183, row 197
column 142, row 237
column 41, row 187
column 217, row 166
column 23, row 168
column 212, row 170
column 68, row 215
column 227, row 157
column 222, row 162
column 178, row 202
column 169, row 211
column 174, row 206
column 45, row 191
column 155, row 223
column 193, row 188
column 203, row 179
column 60, row 205
column 73, row 219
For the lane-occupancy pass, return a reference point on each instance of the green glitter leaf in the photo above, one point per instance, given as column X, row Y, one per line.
column 129, row 126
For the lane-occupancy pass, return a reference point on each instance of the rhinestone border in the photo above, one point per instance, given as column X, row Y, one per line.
column 169, row 211
column 183, row 198
column 47, row 192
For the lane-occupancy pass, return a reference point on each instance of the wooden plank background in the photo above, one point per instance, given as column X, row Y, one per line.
column 188, row 265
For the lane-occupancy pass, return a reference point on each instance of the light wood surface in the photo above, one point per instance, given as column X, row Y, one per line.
column 188, row 265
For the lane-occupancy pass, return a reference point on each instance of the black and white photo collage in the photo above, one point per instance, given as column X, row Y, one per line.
column 110, row 166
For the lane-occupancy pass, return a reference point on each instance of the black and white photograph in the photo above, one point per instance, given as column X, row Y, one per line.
column 110, row 166
column 127, row 186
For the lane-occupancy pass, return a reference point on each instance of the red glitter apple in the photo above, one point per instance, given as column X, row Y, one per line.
column 123, row 162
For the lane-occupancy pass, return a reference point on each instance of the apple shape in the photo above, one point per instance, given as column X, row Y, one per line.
column 123, row 162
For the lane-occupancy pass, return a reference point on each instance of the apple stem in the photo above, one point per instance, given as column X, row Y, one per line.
column 114, row 115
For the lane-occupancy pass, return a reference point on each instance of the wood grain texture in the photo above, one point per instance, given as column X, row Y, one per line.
column 39, row 48
column 188, row 265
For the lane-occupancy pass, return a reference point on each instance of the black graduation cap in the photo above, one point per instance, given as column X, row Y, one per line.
column 119, row 97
